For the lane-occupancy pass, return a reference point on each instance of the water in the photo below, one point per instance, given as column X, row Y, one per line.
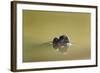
column 40, row 27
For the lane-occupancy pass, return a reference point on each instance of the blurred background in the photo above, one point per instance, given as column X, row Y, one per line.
column 40, row 27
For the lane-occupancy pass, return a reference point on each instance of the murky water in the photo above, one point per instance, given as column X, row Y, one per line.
column 40, row 27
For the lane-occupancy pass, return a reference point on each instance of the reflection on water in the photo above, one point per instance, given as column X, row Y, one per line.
column 46, row 52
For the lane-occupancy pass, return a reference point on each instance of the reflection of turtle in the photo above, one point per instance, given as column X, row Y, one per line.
column 61, row 42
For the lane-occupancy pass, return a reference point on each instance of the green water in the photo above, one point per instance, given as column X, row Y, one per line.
column 40, row 27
